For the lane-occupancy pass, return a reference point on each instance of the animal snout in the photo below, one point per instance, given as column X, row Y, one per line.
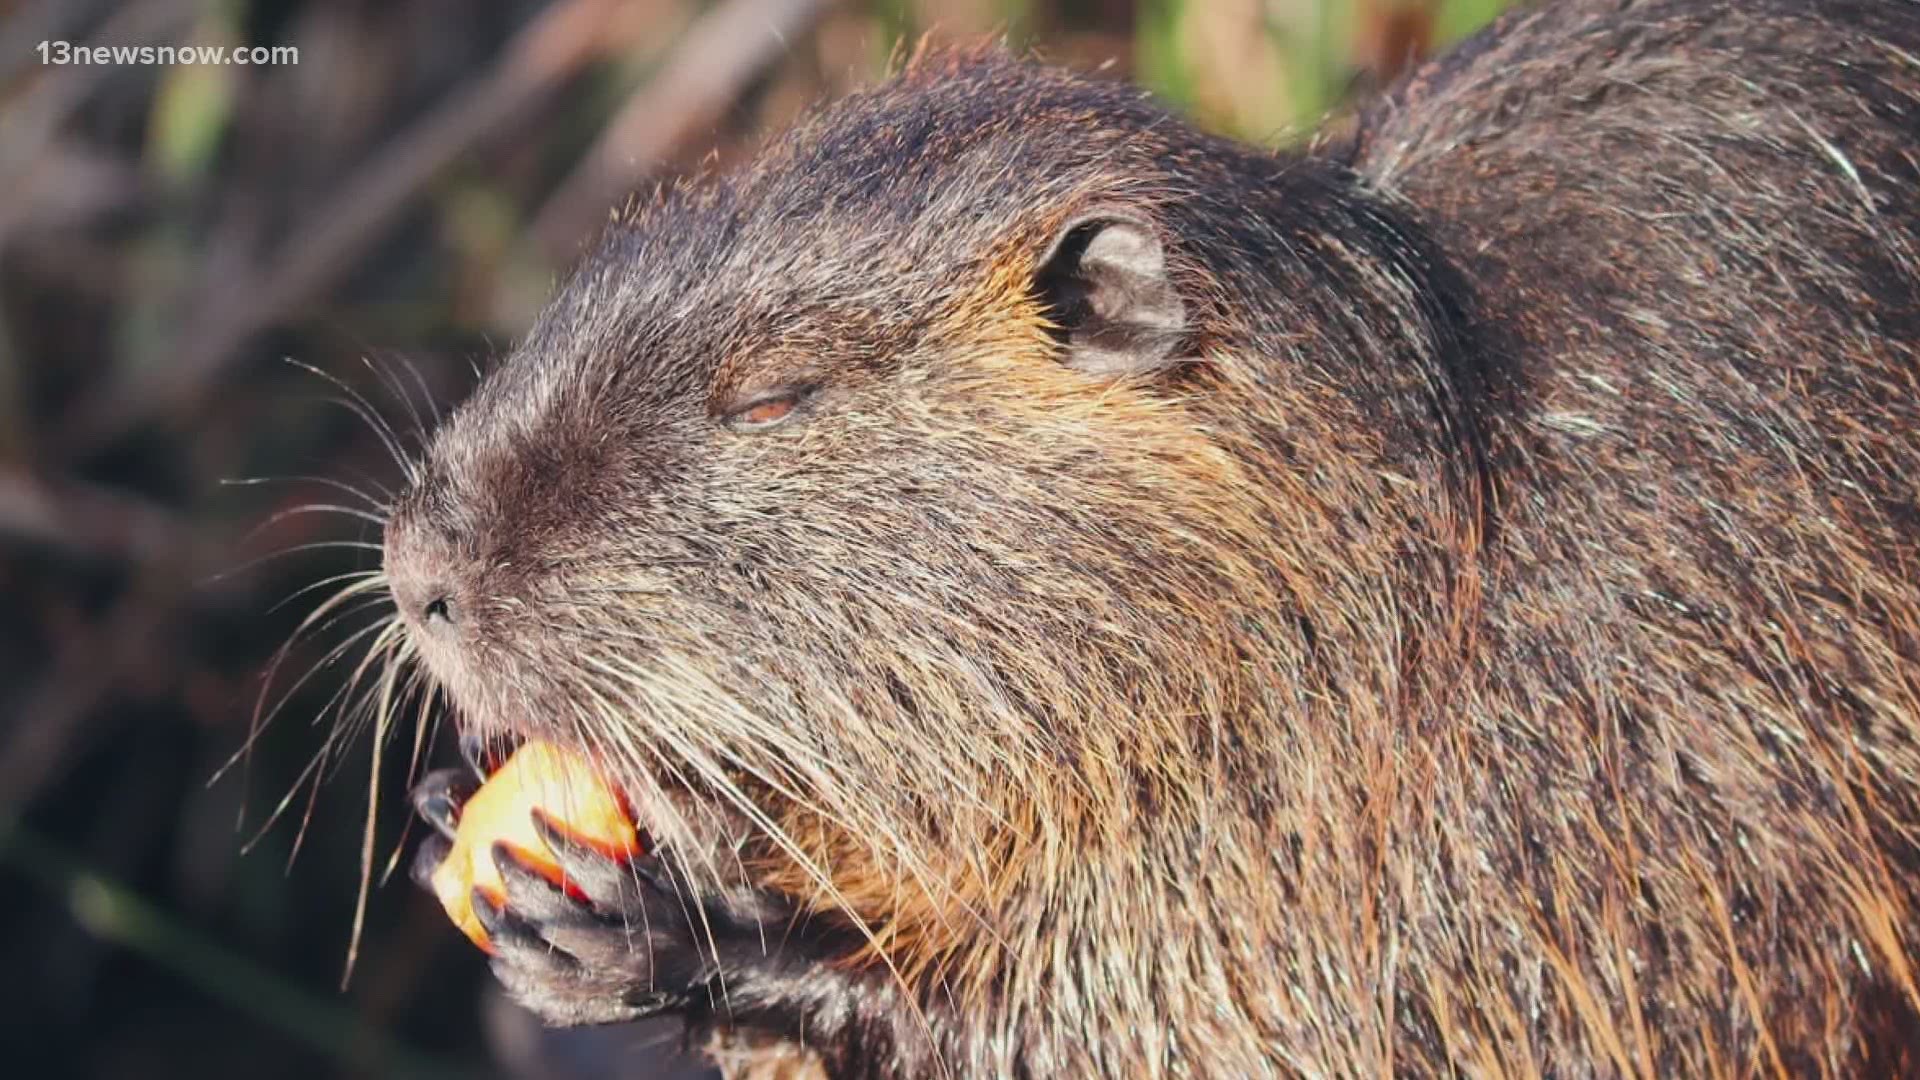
column 430, row 589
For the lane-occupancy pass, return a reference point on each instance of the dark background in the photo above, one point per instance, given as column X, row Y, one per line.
column 388, row 212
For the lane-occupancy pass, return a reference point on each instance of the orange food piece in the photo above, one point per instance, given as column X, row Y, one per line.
column 564, row 787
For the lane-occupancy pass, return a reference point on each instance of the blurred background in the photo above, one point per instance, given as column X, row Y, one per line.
column 202, row 270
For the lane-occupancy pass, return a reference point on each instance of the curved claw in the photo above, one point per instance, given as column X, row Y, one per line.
column 609, row 882
column 432, row 852
column 438, row 797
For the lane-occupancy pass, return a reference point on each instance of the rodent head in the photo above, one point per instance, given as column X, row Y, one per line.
column 882, row 496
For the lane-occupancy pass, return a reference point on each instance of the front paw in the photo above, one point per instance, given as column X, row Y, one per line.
column 616, row 939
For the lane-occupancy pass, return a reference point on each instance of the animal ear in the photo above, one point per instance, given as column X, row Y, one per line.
column 1106, row 288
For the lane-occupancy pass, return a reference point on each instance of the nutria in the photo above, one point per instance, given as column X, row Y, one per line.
column 1071, row 595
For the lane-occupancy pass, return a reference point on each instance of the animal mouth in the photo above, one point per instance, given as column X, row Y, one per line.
column 665, row 812
column 485, row 751
column 484, row 754
column 704, row 829
column 509, row 789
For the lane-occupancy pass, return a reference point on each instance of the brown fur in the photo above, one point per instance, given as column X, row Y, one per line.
column 1494, row 650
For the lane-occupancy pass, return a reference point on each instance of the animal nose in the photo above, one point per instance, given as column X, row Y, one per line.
column 440, row 609
column 429, row 603
column 423, row 575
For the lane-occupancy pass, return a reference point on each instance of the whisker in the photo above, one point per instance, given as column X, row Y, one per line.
column 377, row 655
column 596, row 743
column 262, row 716
column 426, row 392
column 351, row 575
column 717, row 779
column 350, row 719
column 426, row 726
column 306, row 814
column 369, row 837
column 297, row 549
column 280, row 808
column 304, row 509
column 334, row 738
column 423, row 734
column 379, row 505
column 393, row 386
column 332, row 749
column 375, row 420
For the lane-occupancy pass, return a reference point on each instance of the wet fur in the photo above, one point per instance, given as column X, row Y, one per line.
column 1494, row 651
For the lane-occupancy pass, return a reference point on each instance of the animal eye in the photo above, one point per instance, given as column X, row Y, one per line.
column 765, row 412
